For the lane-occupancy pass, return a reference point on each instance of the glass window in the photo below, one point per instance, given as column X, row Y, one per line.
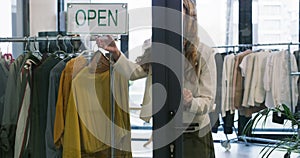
column 140, row 29
column 6, row 8
column 221, row 26
column 277, row 22
column 12, row 26
column 273, row 22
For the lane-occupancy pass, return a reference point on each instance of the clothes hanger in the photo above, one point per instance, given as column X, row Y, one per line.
column 64, row 43
column 88, row 54
column 73, row 53
column 35, row 56
column 36, row 51
column 48, row 45
column 59, row 53
column 26, row 50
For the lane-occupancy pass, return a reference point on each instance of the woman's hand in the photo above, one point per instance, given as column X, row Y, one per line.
column 187, row 98
column 108, row 43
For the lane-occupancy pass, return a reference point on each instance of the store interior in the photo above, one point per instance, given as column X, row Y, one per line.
column 41, row 73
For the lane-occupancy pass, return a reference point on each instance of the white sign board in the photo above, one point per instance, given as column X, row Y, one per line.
column 97, row 18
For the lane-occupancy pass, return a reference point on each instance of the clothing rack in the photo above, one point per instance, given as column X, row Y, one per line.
column 226, row 144
column 64, row 39
column 272, row 44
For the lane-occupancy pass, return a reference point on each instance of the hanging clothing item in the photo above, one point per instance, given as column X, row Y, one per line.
column 254, row 67
column 88, row 126
column 23, row 122
column 268, row 77
column 297, row 57
column 4, row 72
column 260, row 93
column 219, row 63
column 238, row 81
column 219, row 57
column 38, row 116
column 251, row 68
column 11, row 106
column 73, row 67
column 277, row 82
column 227, row 84
column 228, row 121
column 243, row 120
column 55, row 73
column 247, row 66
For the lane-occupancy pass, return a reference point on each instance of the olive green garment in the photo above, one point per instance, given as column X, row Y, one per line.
column 193, row 145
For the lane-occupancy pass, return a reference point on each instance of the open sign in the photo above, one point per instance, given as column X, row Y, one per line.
column 97, row 18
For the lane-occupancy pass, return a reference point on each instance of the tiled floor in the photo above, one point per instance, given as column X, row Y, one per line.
column 238, row 150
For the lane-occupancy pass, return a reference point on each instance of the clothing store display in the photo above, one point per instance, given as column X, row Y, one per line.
column 11, row 107
column 260, row 80
column 32, row 105
column 247, row 67
column 55, row 73
column 214, row 116
column 57, row 105
column 227, row 84
column 87, row 88
column 238, row 81
column 259, row 92
column 23, row 122
column 297, row 57
column 39, row 104
column 4, row 72
column 252, row 69
column 71, row 70
column 276, row 80
column 89, row 113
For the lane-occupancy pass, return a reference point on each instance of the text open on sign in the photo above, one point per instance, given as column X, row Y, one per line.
column 97, row 18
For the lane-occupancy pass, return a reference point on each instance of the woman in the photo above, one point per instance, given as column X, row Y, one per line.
column 199, row 83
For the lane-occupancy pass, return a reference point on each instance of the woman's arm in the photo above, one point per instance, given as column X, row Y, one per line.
column 203, row 101
column 128, row 69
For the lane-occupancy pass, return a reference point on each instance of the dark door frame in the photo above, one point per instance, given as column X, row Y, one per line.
column 167, row 36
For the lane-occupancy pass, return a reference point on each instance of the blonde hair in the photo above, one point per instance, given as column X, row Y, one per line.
column 191, row 39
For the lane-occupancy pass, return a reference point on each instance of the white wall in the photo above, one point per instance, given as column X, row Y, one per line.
column 42, row 16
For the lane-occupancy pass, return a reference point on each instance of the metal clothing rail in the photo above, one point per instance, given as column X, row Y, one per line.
column 36, row 39
column 51, row 38
column 256, row 45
